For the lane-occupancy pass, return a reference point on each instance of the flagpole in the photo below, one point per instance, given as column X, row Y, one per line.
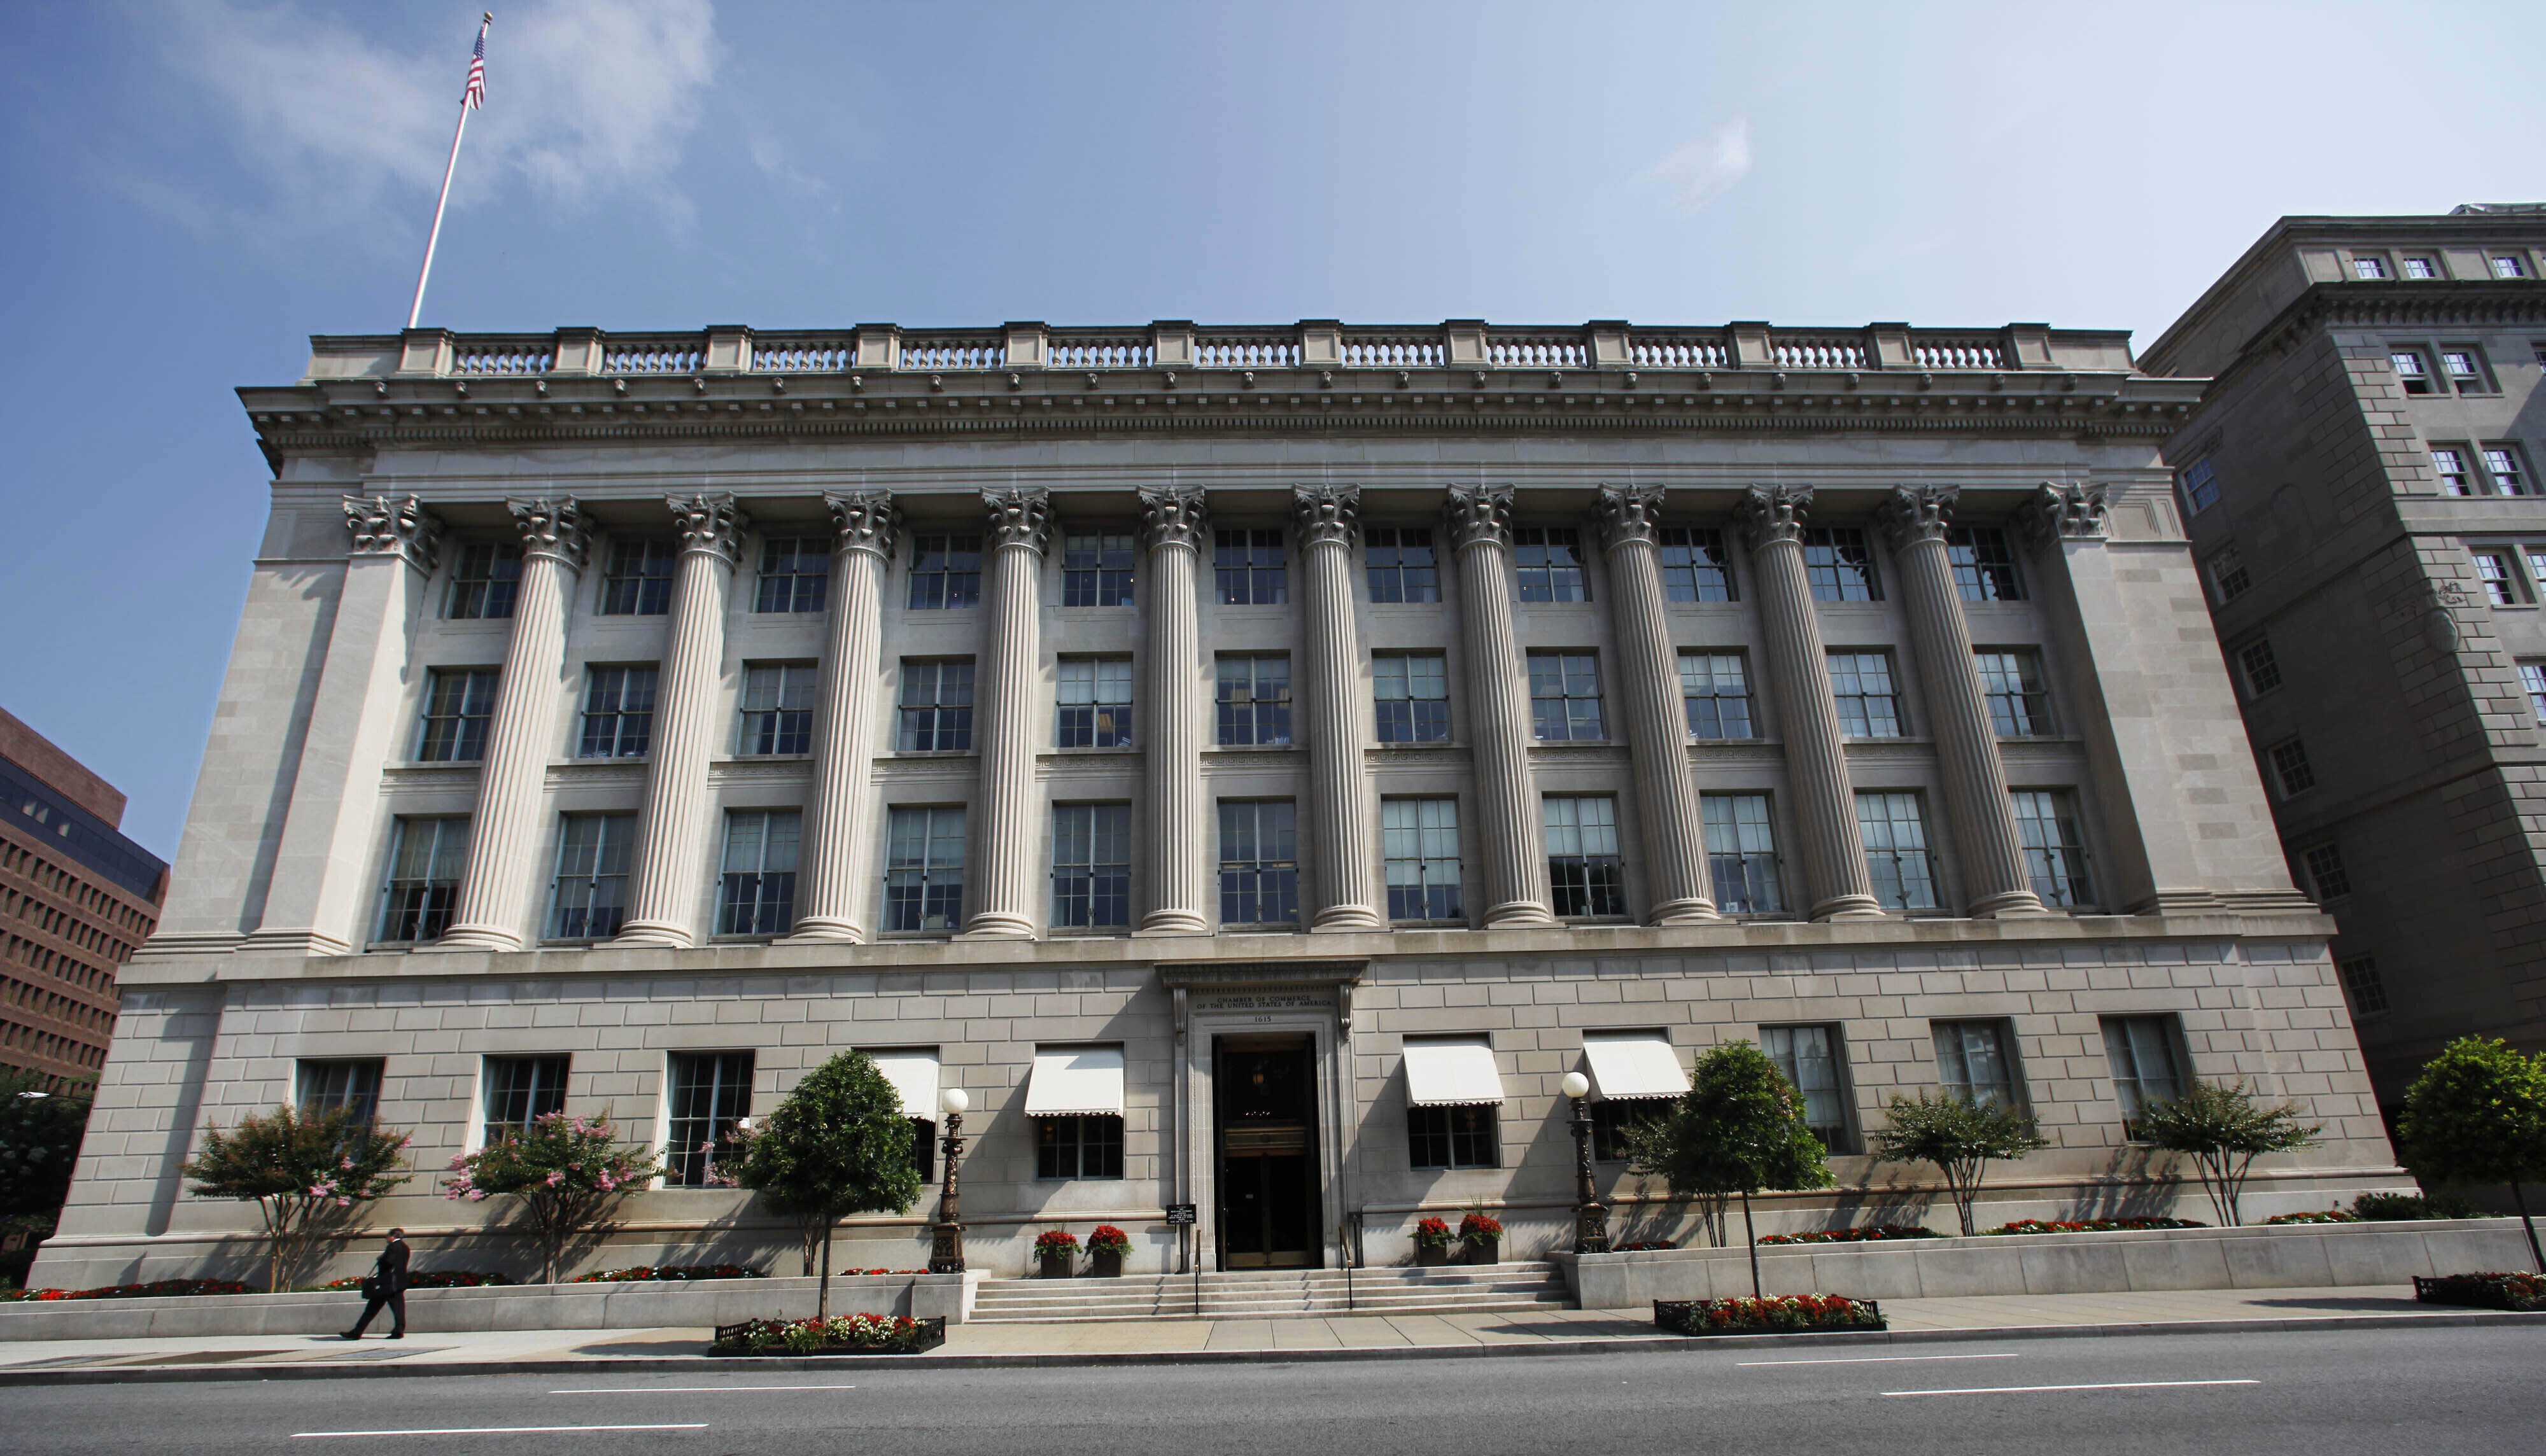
column 433, row 238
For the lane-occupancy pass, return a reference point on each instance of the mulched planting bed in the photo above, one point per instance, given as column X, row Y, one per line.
column 845, row 1334
column 2522, row 1293
column 648, row 1273
column 2088, row 1226
column 1866, row 1235
column 164, row 1289
column 432, row 1279
column 1775, row 1315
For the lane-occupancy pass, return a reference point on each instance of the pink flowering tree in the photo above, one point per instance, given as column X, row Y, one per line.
column 308, row 1172
column 567, row 1171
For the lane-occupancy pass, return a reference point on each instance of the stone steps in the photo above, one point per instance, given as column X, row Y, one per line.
column 1272, row 1293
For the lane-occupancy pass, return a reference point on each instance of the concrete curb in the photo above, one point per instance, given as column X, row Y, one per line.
column 320, row 1370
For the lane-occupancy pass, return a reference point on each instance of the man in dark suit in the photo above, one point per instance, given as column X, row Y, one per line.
column 387, row 1286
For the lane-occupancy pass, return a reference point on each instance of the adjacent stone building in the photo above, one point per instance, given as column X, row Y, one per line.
column 2361, row 491
column 1255, row 764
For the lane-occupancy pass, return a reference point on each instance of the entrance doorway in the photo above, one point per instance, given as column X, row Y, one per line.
column 1267, row 1132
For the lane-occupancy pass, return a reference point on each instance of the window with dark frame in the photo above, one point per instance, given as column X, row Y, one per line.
column 458, row 709
column 710, row 1092
column 639, row 579
column 2422, row 267
column 2263, row 670
column 2413, row 371
column 2139, row 1051
column 485, row 580
column 1984, row 564
column 1714, row 692
column 2532, row 681
column 427, row 857
column 1616, row 1120
column 2366, row 266
column 1454, row 1137
column 2019, row 706
column 1252, row 697
column 1259, row 862
column 2053, row 841
column 759, row 872
column 945, row 573
column 1082, row 1146
column 1402, row 564
column 1548, row 564
column 1583, row 869
column 618, row 712
column 795, row 575
column 2290, row 766
column 1895, row 831
column 2326, row 874
column 2449, row 463
column 2227, row 573
column 1411, row 696
column 1741, row 854
column 1094, row 707
column 1812, row 1061
column 353, row 1085
column 1840, row 565
column 520, row 1091
column 2509, row 265
column 1974, row 1063
column 1565, row 697
column 2492, row 568
column 936, row 706
column 2464, row 366
column 778, row 703
column 1091, row 865
column 1695, row 565
column 2504, row 470
column 2200, row 486
column 2366, row 988
column 1096, row 569
column 1420, row 842
column 923, row 882
column 1869, row 702
column 1249, row 569
column 589, row 899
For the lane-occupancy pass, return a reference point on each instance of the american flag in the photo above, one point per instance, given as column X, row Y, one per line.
column 475, row 94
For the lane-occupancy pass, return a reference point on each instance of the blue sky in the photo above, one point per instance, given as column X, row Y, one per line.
column 193, row 188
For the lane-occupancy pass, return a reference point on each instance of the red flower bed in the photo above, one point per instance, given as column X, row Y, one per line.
column 163, row 1289
column 2087, row 1225
column 2521, row 1293
column 1431, row 1234
column 647, row 1273
column 1479, row 1226
column 1790, row 1311
column 1109, row 1239
column 881, row 1334
column 432, row 1280
column 1865, row 1235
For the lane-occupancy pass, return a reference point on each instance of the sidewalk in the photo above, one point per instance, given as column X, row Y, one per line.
column 1339, row 1336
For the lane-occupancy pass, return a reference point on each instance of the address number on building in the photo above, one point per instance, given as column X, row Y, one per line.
column 1180, row 1213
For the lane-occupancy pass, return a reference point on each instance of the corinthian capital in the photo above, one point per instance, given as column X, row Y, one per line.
column 714, row 524
column 1478, row 514
column 1173, row 518
column 401, row 527
column 1021, row 516
column 866, row 521
column 1916, row 513
column 1325, row 514
column 1628, row 513
column 552, row 526
column 1770, row 513
column 2064, row 512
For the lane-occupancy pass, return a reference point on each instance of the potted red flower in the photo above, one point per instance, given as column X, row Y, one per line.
column 1057, row 1249
column 1433, row 1241
column 1484, row 1238
column 1107, row 1247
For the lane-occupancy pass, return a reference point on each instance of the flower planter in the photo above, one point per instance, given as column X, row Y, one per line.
column 1057, row 1264
column 1107, row 1263
column 1484, row 1250
column 1802, row 1313
column 1432, row 1255
column 851, row 1335
column 2520, row 1293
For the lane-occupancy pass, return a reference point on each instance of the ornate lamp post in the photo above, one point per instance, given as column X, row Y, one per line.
column 946, row 1253
column 1591, row 1220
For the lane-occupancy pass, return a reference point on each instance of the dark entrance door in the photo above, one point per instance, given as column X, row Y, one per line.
column 1267, row 1130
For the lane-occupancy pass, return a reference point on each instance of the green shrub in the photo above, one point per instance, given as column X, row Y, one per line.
column 2385, row 1208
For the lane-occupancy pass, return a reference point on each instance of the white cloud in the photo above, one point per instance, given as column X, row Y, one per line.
column 1704, row 169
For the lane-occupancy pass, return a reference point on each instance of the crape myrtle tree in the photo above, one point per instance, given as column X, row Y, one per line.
column 839, row 1144
column 1740, row 1130
column 307, row 1170
column 568, row 1172
column 2478, row 1115
column 2219, row 1127
column 1960, row 1136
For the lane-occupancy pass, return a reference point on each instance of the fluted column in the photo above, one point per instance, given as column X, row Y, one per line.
column 1342, row 822
column 1657, row 719
column 512, row 791
column 1772, row 520
column 1507, row 811
column 1175, row 822
column 1967, row 754
column 835, row 891
column 1020, row 528
column 672, row 831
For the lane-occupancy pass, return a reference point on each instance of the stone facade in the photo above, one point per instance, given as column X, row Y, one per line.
column 1621, row 498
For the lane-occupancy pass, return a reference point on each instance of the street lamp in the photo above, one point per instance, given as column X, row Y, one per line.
column 1591, row 1220
column 946, row 1253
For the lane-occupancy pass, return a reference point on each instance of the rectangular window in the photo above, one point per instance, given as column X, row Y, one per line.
column 639, row 580
column 1583, row 865
column 2141, row 1051
column 1096, row 569
column 1972, row 1061
column 1253, row 696
column 923, row 879
column 2451, row 465
column 1869, row 706
column 2509, row 265
column 1454, row 1137
column 1402, row 565
column 710, row 1092
column 1716, row 692
column 618, row 712
column 2290, row 766
column 2492, row 568
column 324, row 1087
column 1259, row 862
column 936, row 707
column 485, row 577
column 1565, row 697
column 1095, row 702
column 1411, row 694
column 2504, row 470
column 1839, row 565
column 1091, row 865
column 2532, row 680
column 795, row 575
column 426, row 859
column 2018, row 704
column 1695, row 565
column 2465, row 370
column 1548, row 565
column 590, row 897
column 1896, row 850
column 2326, row 874
column 1984, row 564
column 1615, row 1121
column 459, row 708
column 2366, row 988
column 2200, row 487
column 2228, row 575
column 2413, row 371
column 1810, row 1058
column 1741, row 854
column 2363, row 266
column 2055, row 846
column 1420, row 838
column 1087, row 1146
column 1249, row 568
column 945, row 573
column 2422, row 267
column 759, row 872
column 520, row 1091
column 778, row 708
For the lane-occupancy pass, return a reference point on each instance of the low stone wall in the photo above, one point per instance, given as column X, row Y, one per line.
column 692, row 1304
column 2285, row 1256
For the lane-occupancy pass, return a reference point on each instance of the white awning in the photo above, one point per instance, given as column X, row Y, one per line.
column 1072, row 1081
column 1634, row 1064
column 1452, row 1073
column 913, row 1075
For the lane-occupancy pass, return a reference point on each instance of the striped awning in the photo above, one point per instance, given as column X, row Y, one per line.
column 912, row 1071
column 1634, row 1064
column 1075, row 1081
column 1452, row 1073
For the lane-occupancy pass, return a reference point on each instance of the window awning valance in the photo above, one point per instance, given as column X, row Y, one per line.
column 1075, row 1081
column 1452, row 1073
column 1634, row 1064
column 913, row 1073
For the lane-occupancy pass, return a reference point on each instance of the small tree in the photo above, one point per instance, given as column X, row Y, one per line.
column 568, row 1172
column 2478, row 1115
column 2219, row 1127
column 839, row 1144
column 307, row 1170
column 39, row 1141
column 1960, row 1136
column 1740, row 1130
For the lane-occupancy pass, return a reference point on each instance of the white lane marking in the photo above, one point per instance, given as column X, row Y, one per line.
column 1883, row 1359
column 2119, row 1385
column 495, row 1431
column 648, row 1390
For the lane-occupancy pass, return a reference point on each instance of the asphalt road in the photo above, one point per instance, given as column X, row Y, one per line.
column 2412, row 1391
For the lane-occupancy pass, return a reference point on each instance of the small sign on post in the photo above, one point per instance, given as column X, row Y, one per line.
column 1180, row 1217
column 1180, row 1213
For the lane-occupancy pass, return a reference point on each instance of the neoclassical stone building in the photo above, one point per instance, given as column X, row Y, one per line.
column 1256, row 765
